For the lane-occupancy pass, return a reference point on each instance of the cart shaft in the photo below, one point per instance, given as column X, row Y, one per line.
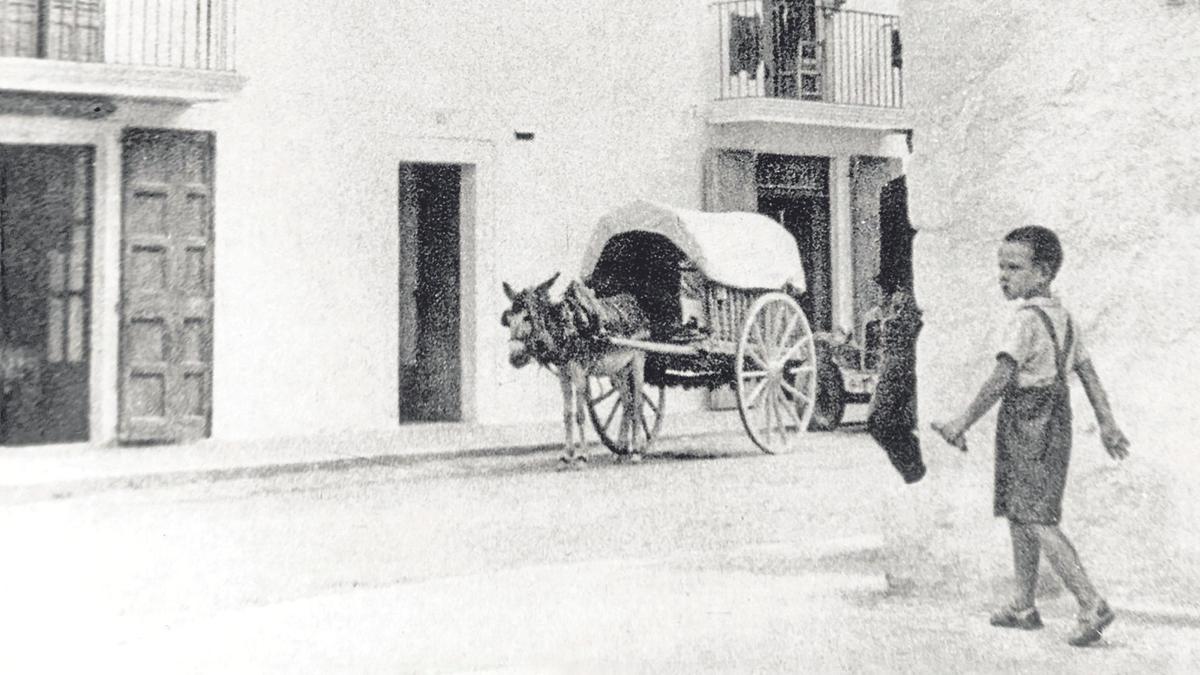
column 654, row 347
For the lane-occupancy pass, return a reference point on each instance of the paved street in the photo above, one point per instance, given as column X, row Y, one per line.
column 707, row 557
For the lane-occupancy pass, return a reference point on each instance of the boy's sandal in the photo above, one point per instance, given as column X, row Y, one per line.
column 1092, row 625
column 1009, row 617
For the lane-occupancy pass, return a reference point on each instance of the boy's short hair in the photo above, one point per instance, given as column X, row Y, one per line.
column 1047, row 250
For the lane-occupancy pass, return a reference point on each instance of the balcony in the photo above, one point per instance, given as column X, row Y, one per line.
column 172, row 50
column 808, row 62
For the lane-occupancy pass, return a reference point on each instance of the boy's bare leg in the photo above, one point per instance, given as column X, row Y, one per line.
column 1026, row 551
column 1065, row 561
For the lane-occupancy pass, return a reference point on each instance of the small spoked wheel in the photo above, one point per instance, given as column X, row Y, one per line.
column 609, row 418
column 776, row 373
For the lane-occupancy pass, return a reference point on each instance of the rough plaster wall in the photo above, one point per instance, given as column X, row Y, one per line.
column 1082, row 115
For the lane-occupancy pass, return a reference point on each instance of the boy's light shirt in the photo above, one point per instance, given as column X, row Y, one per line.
column 1023, row 336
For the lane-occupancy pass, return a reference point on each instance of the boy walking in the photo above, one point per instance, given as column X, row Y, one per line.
column 1033, row 430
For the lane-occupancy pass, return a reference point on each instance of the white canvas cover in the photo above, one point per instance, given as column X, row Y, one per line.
column 737, row 249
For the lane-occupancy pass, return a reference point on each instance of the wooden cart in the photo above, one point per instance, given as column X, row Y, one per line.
column 721, row 290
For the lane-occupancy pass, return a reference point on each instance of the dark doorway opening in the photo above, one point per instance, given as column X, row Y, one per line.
column 45, row 293
column 430, row 287
column 795, row 192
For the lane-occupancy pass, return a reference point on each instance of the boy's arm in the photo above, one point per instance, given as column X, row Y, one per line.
column 1114, row 441
column 991, row 391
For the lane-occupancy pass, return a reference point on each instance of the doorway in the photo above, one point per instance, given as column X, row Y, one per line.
column 794, row 59
column 795, row 192
column 430, row 378
column 45, row 293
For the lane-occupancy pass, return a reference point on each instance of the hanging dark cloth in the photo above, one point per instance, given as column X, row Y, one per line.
column 745, row 34
column 892, row 420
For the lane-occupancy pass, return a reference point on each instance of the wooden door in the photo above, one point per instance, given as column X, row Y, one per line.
column 166, row 286
column 45, row 293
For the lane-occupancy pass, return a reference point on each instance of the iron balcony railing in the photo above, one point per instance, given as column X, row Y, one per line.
column 184, row 34
column 809, row 50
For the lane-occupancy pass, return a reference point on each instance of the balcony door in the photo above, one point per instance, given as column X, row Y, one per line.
column 794, row 52
column 68, row 30
column 45, row 293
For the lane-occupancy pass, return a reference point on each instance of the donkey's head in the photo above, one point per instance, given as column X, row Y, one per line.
column 524, row 319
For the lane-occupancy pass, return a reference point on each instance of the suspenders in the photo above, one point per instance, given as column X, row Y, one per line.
column 1060, row 355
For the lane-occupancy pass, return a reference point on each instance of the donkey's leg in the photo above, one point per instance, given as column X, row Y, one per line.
column 581, row 394
column 564, row 382
column 637, row 377
column 621, row 379
column 628, row 437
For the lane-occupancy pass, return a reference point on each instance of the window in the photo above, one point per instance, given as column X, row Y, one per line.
column 67, row 30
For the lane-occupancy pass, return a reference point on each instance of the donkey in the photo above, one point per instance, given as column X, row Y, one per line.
column 568, row 337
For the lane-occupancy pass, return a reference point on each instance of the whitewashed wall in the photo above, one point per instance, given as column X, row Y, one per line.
column 1082, row 116
column 339, row 94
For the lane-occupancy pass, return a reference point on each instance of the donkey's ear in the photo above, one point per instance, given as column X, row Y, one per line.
column 545, row 285
column 509, row 291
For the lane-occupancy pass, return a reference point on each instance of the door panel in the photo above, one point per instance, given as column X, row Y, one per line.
column 45, row 293
column 166, row 286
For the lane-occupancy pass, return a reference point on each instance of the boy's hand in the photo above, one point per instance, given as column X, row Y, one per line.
column 953, row 433
column 1114, row 441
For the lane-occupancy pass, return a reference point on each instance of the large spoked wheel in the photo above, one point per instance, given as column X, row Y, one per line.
column 607, row 410
column 776, row 371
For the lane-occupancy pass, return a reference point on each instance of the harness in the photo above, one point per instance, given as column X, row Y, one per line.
column 575, row 327
column 547, row 336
